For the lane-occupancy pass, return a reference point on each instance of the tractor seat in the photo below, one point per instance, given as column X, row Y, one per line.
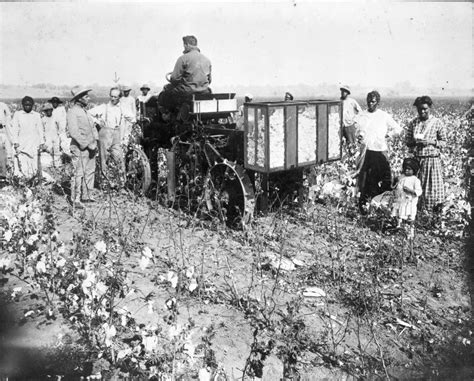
column 214, row 105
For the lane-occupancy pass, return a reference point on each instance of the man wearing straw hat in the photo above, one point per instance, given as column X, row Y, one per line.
column 350, row 109
column 83, row 148
column 142, row 100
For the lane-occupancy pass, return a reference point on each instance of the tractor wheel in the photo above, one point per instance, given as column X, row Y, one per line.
column 138, row 172
column 229, row 194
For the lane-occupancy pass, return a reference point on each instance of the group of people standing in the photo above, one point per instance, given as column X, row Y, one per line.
column 28, row 134
column 420, row 185
column 31, row 142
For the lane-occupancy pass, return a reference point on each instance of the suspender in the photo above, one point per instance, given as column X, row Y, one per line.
column 107, row 116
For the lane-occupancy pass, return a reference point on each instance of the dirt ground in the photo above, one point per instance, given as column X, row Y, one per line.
column 372, row 314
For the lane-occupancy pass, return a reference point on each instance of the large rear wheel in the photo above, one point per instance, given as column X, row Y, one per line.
column 229, row 194
column 138, row 172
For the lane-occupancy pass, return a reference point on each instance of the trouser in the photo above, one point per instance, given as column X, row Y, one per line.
column 82, row 181
column 109, row 146
column 173, row 96
column 375, row 176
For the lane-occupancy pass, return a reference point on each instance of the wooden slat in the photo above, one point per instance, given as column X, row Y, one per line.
column 291, row 137
column 322, row 133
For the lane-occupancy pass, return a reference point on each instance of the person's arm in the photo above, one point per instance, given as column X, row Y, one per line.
column 393, row 127
column 177, row 74
column 357, row 107
column 441, row 135
column 418, row 189
column 98, row 113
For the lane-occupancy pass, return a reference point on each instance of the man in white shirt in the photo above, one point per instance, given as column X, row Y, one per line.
column 146, row 108
column 59, row 112
column 110, row 117
column 373, row 128
column 28, row 138
column 350, row 109
column 55, row 140
column 127, row 103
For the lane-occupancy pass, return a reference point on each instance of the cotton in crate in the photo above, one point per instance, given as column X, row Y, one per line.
column 280, row 136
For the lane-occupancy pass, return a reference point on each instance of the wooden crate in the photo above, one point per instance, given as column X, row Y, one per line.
column 279, row 136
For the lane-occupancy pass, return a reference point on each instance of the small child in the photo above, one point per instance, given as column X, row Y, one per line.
column 407, row 190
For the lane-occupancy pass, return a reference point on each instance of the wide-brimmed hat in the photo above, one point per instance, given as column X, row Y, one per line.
column 79, row 93
column 55, row 100
column 145, row 86
column 47, row 106
column 126, row 88
column 248, row 95
column 346, row 88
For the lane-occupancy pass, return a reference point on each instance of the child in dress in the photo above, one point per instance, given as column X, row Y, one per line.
column 407, row 191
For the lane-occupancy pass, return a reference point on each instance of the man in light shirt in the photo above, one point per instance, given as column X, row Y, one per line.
column 373, row 128
column 127, row 103
column 28, row 138
column 110, row 117
column 144, row 108
column 350, row 109
column 55, row 140
column 59, row 112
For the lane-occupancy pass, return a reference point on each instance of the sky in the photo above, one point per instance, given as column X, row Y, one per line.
column 257, row 43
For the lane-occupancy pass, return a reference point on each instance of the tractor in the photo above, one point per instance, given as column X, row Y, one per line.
column 199, row 159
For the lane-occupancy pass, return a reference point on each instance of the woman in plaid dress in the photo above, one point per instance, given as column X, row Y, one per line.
column 425, row 137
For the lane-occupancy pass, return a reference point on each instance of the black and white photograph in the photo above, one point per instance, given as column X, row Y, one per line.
column 236, row 190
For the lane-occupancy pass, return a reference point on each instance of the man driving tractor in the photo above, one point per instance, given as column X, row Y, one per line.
column 191, row 75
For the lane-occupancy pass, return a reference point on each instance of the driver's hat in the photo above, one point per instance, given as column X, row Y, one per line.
column 145, row 86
